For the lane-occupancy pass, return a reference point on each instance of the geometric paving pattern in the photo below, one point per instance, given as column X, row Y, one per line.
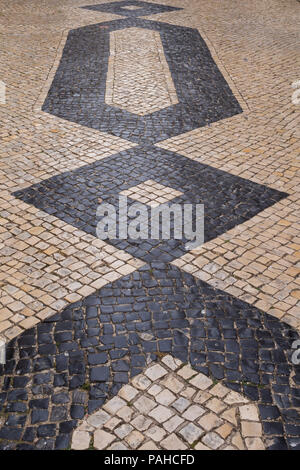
column 151, row 193
column 74, row 196
column 138, row 78
column 147, row 415
column 78, row 90
column 156, row 357
column 76, row 360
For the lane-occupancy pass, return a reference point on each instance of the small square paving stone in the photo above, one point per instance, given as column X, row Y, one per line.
column 230, row 415
column 154, row 390
column 156, row 433
column 86, row 427
column 215, row 405
column 193, row 412
column 181, row 404
column 171, row 362
column 202, row 397
column 172, row 442
column 117, row 446
column 125, row 413
column 219, row 390
column 201, row 381
column 201, row 446
column 173, row 384
column 149, row 446
column 173, row 423
column 134, row 439
column 99, row 374
column 212, row 440
column 186, row 372
column 224, row 430
column 251, row 429
column 128, row 392
column 102, row 439
column 235, row 398
column 112, row 423
column 80, row 440
column 188, row 392
column 141, row 382
column 249, row 412
column 155, row 372
column 123, row 430
column 141, row 423
column 114, row 405
column 237, row 441
column 144, row 404
column 161, row 413
column 210, row 421
column 98, row 419
column 191, row 433
column 165, row 397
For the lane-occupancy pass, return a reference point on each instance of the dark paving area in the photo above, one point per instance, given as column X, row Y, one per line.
column 74, row 196
column 77, row 93
column 142, row 8
column 74, row 361
column 67, row 366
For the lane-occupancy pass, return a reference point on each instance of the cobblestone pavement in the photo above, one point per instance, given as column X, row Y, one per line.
column 147, row 414
column 141, row 344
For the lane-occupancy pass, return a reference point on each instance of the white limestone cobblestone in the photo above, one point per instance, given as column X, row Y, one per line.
column 152, row 412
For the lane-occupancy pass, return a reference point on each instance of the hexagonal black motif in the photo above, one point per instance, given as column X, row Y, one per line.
column 78, row 90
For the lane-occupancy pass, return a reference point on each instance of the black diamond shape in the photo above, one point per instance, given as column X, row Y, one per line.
column 74, row 196
column 143, row 8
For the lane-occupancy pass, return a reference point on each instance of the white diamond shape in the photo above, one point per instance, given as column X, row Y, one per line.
column 151, row 193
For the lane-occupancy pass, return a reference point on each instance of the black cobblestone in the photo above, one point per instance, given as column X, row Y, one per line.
column 74, row 197
column 190, row 320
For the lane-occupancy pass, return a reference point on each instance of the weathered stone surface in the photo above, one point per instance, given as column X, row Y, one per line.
column 172, row 442
column 81, row 440
column 212, row 440
column 102, row 439
column 155, row 372
column 83, row 316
